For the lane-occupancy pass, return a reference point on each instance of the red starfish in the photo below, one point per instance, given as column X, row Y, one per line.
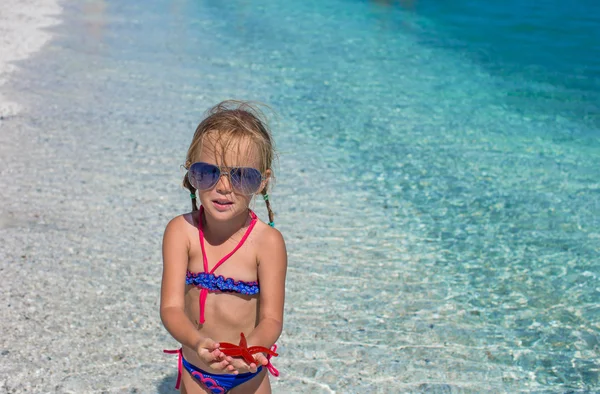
column 242, row 350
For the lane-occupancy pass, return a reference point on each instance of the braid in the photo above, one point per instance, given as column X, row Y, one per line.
column 188, row 185
column 268, row 203
column 193, row 196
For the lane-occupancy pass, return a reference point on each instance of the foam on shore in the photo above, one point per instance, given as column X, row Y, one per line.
column 22, row 33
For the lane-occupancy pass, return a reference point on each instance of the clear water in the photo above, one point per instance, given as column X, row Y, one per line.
column 438, row 181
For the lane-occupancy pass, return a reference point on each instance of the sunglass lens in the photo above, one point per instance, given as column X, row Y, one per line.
column 203, row 176
column 246, row 180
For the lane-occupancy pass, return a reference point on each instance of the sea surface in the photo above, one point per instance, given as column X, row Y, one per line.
column 438, row 179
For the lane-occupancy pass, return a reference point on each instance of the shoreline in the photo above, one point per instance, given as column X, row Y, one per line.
column 22, row 33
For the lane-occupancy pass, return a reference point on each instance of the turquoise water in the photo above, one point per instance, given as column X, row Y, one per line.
column 547, row 49
column 438, row 181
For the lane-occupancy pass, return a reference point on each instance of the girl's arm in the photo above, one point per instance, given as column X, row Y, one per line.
column 272, row 267
column 172, row 302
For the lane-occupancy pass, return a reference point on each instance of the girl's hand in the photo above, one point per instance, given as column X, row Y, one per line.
column 208, row 351
column 261, row 359
column 241, row 366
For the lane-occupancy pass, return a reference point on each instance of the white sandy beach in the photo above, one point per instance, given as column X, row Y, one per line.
column 21, row 34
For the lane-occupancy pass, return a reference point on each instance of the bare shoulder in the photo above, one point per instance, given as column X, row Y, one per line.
column 180, row 227
column 269, row 236
column 182, row 222
column 271, row 245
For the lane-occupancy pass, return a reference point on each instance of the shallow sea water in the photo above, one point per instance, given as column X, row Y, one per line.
column 443, row 235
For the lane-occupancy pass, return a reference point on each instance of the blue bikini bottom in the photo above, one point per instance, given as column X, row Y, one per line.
column 218, row 383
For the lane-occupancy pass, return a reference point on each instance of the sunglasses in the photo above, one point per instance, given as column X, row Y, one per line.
column 244, row 180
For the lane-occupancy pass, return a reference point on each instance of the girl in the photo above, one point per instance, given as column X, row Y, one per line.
column 224, row 269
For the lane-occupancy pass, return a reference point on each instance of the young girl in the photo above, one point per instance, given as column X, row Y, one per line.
column 224, row 269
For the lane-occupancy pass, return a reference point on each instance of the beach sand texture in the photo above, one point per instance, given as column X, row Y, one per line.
column 21, row 33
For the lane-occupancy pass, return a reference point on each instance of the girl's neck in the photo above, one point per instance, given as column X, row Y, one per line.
column 218, row 232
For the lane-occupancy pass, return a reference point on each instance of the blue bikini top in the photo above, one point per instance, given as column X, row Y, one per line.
column 212, row 282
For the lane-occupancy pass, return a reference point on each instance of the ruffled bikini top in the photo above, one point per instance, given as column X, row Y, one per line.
column 207, row 281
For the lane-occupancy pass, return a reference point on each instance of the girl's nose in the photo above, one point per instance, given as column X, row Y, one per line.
column 224, row 184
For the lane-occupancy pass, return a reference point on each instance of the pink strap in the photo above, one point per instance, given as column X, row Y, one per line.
column 178, row 351
column 204, row 292
column 270, row 366
column 201, row 303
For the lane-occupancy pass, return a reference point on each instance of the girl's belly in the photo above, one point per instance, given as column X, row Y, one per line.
column 226, row 316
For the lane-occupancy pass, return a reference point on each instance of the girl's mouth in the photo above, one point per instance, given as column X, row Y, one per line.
column 222, row 205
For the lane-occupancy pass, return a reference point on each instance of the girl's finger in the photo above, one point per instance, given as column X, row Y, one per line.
column 210, row 357
column 235, row 363
column 220, row 365
column 209, row 344
column 232, row 368
column 261, row 359
column 239, row 365
column 212, row 345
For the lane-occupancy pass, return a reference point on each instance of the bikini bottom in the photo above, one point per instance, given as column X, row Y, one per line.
column 217, row 383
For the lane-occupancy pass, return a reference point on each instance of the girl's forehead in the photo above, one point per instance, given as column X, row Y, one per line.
column 235, row 153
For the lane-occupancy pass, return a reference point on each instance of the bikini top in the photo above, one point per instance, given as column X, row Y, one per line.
column 207, row 281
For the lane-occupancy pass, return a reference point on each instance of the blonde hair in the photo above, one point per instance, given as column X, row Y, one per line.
column 231, row 122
